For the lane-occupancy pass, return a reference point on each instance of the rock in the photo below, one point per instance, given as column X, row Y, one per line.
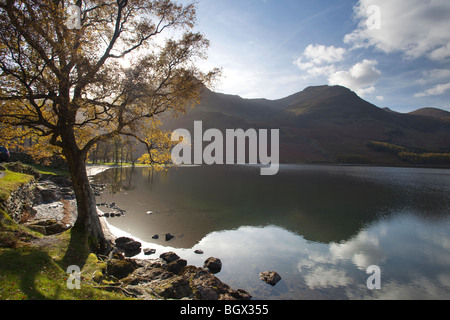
column 129, row 246
column 149, row 252
column 2, row 168
column 56, row 228
column 270, row 277
column 47, row 227
column 49, row 195
column 169, row 236
column 152, row 280
column 198, row 252
column 169, row 257
column 121, row 268
column 206, row 286
column 176, row 266
column 174, row 288
column 156, row 237
column 214, row 265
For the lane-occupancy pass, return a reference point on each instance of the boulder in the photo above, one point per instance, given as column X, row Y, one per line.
column 270, row 277
column 176, row 266
column 47, row 227
column 169, row 257
column 214, row 265
column 129, row 246
column 174, row 288
column 121, row 268
column 49, row 195
column 207, row 286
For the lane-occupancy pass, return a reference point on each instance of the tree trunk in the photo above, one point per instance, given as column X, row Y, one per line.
column 88, row 222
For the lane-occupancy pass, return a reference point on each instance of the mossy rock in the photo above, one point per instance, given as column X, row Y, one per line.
column 121, row 268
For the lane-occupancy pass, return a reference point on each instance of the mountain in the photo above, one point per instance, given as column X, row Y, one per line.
column 432, row 112
column 324, row 124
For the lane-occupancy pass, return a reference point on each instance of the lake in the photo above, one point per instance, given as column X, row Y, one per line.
column 320, row 227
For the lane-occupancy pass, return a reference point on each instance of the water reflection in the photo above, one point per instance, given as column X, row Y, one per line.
column 321, row 203
column 319, row 227
column 413, row 255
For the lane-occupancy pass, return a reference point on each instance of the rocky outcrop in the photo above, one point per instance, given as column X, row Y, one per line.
column 169, row 277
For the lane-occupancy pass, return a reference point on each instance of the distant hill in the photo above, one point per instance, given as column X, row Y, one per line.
column 432, row 112
column 324, row 124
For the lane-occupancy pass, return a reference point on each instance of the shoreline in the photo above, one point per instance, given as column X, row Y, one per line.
column 93, row 170
column 150, row 277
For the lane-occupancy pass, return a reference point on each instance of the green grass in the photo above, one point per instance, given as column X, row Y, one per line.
column 10, row 182
column 50, row 171
column 33, row 267
column 31, row 272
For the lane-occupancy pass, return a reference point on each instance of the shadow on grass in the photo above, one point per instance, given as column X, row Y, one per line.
column 30, row 273
column 77, row 251
column 37, row 277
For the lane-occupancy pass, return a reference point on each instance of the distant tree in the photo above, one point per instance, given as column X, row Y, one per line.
column 63, row 82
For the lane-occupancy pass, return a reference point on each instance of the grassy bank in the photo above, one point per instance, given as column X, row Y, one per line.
column 33, row 266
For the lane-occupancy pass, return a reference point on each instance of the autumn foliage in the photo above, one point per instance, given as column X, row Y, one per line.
column 67, row 89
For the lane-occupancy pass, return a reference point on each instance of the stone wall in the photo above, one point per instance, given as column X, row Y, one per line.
column 20, row 204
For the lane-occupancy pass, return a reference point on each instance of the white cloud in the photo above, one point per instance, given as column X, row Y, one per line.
column 318, row 60
column 320, row 54
column 434, row 91
column 415, row 28
column 360, row 78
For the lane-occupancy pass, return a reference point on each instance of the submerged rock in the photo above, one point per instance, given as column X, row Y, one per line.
column 270, row 277
column 169, row 236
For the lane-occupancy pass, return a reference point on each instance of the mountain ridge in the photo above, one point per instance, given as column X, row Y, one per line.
column 323, row 124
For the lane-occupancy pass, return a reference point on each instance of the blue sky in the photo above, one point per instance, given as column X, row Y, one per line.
column 393, row 53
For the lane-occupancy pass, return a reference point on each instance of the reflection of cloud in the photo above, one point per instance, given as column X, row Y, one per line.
column 329, row 269
column 413, row 256
column 322, row 277
column 419, row 288
column 364, row 250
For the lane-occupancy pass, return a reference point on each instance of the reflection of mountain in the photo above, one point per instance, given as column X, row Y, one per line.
column 321, row 203
column 322, row 124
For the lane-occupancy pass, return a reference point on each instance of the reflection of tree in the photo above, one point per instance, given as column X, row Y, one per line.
column 117, row 179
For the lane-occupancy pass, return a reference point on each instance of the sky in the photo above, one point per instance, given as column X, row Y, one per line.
column 392, row 53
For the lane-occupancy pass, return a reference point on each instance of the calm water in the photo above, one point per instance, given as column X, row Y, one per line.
column 319, row 227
